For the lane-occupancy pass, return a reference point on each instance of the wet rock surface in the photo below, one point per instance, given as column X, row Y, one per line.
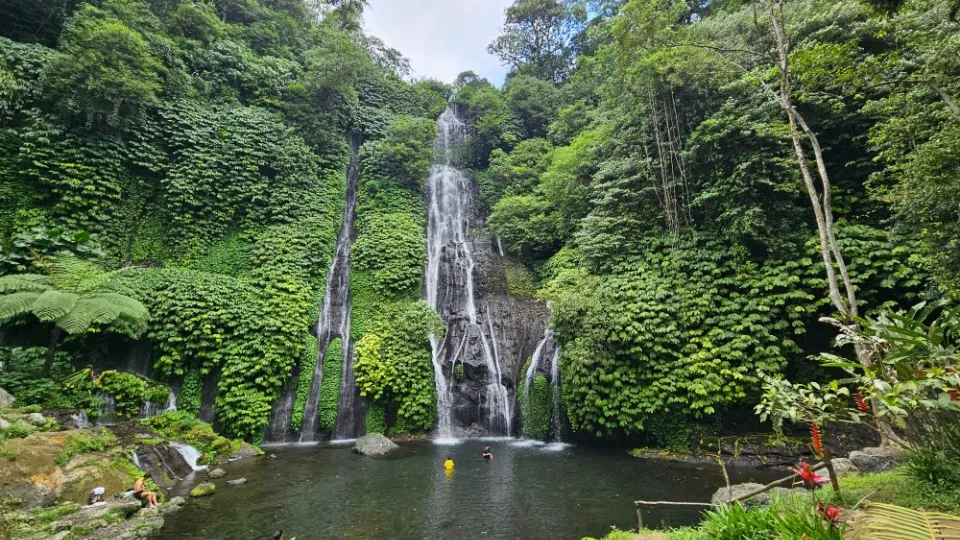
column 217, row 473
column 237, row 482
column 6, row 399
column 727, row 495
column 374, row 444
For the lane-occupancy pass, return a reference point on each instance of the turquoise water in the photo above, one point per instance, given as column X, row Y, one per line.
column 526, row 492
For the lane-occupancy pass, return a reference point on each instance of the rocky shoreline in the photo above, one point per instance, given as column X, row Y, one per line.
column 46, row 476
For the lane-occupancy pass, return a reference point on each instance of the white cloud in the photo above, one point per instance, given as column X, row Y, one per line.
column 442, row 38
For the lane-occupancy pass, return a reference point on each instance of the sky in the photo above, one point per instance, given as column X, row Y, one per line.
column 442, row 38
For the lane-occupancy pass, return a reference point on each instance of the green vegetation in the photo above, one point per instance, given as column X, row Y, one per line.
column 535, row 409
column 330, row 389
column 183, row 426
column 308, row 364
column 83, row 443
column 130, row 392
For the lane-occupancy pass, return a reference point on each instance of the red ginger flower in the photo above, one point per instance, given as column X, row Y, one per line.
column 829, row 512
column 811, row 480
column 861, row 403
column 954, row 394
column 816, row 437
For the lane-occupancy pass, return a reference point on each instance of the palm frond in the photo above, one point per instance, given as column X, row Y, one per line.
column 51, row 305
column 24, row 282
column 18, row 303
column 890, row 522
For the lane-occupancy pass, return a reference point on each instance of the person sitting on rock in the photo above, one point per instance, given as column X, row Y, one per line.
column 141, row 493
column 96, row 495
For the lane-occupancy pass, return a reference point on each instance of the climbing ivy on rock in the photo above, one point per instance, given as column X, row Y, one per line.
column 330, row 388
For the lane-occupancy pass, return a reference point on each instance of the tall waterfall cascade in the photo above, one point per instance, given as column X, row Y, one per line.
column 334, row 322
column 481, row 402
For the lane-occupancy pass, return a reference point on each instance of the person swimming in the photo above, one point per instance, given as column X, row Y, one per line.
column 487, row 454
column 448, row 464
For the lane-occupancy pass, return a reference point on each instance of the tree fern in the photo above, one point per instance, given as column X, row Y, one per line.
column 53, row 304
column 24, row 282
column 16, row 304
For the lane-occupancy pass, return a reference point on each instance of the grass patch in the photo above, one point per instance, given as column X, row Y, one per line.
column 896, row 487
column 57, row 512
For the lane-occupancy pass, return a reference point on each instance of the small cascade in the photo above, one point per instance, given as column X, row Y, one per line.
column 189, row 454
column 171, row 402
column 150, row 408
column 136, row 460
column 80, row 420
column 107, row 413
column 555, row 416
column 546, row 348
column 449, row 288
column 334, row 323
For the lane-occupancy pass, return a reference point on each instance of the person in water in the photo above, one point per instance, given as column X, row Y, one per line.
column 141, row 494
column 96, row 495
column 448, row 464
column 487, row 454
column 278, row 534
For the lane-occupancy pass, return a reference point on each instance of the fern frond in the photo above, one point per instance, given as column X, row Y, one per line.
column 129, row 307
column 18, row 303
column 51, row 305
column 68, row 272
column 890, row 522
column 83, row 315
column 24, row 282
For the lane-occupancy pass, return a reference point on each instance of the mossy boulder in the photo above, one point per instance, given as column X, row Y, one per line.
column 203, row 490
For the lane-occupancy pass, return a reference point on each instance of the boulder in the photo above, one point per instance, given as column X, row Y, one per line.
column 246, row 450
column 217, row 473
column 6, row 400
column 36, row 419
column 844, row 467
column 203, row 490
column 93, row 512
column 872, row 460
column 4, row 424
column 237, row 482
column 374, row 444
column 32, row 475
column 727, row 495
column 172, row 506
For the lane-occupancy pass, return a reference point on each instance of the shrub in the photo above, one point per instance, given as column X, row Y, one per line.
column 935, row 457
column 183, row 426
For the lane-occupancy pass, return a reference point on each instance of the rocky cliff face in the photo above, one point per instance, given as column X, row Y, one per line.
column 514, row 325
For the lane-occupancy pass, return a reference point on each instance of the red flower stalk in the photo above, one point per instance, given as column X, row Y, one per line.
column 954, row 394
column 816, row 437
column 861, row 403
column 811, row 480
column 829, row 513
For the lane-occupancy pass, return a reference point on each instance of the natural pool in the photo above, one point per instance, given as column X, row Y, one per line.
column 528, row 491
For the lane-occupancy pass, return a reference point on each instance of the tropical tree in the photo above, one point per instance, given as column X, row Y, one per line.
column 538, row 37
column 74, row 296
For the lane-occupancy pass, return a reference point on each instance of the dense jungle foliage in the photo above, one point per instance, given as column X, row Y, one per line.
column 196, row 153
column 693, row 184
column 649, row 159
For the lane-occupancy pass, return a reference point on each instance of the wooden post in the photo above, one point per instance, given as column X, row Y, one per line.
column 639, row 519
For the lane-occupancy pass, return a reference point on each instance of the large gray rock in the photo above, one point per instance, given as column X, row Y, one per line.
column 4, row 424
column 727, row 495
column 374, row 444
column 844, row 467
column 237, row 482
column 217, row 473
column 6, row 400
column 874, row 460
column 36, row 419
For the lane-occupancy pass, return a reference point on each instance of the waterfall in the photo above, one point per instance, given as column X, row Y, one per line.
column 449, row 287
column 107, row 413
column 80, row 420
column 171, row 402
column 335, row 322
column 150, row 408
column 555, row 419
column 189, row 454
